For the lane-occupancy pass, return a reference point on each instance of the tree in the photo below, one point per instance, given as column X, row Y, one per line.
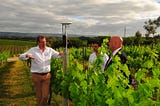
column 138, row 37
column 50, row 40
column 157, row 22
column 151, row 26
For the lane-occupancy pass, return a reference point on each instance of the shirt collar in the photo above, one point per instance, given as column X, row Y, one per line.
column 114, row 53
column 40, row 49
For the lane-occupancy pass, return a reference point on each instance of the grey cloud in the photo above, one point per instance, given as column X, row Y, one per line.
column 96, row 17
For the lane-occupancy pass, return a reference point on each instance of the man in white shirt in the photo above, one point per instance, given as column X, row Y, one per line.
column 40, row 68
column 94, row 54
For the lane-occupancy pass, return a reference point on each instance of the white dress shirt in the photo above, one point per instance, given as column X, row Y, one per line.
column 112, row 55
column 115, row 52
column 93, row 57
column 41, row 60
column 105, row 59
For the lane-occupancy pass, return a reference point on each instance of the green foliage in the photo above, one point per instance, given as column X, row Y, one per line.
column 3, row 57
column 91, row 87
column 57, row 75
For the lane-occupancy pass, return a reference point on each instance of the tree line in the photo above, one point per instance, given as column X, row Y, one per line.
column 82, row 41
column 151, row 37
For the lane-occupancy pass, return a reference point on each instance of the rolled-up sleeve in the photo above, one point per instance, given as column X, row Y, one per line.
column 23, row 56
column 55, row 54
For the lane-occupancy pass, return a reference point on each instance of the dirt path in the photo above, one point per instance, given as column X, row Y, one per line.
column 15, row 84
column 16, row 87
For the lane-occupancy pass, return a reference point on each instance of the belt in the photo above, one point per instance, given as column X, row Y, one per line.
column 40, row 73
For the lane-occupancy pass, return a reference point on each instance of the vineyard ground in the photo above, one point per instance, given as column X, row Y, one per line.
column 16, row 88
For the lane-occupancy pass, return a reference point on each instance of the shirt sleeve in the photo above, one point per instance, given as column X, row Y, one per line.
column 55, row 53
column 23, row 56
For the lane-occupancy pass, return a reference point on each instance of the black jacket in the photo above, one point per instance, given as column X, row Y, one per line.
column 123, row 56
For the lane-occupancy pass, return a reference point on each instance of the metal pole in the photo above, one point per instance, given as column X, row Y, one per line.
column 65, row 58
column 125, row 31
column 84, row 55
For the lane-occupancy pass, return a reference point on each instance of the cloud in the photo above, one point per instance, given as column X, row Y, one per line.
column 97, row 17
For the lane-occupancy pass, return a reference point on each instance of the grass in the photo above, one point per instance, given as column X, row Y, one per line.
column 16, row 42
column 16, row 87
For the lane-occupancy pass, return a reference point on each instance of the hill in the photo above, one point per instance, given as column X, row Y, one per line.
column 20, row 34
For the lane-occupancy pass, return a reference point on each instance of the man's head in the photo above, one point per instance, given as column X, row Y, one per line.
column 41, row 41
column 95, row 46
column 115, row 42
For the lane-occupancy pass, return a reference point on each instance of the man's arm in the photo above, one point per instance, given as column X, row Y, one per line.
column 27, row 55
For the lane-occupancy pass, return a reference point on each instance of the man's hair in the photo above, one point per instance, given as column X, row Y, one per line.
column 39, row 37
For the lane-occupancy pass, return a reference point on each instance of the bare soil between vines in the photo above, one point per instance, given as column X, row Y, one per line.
column 16, row 88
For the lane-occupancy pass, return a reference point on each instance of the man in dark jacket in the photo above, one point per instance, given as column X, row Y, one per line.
column 115, row 45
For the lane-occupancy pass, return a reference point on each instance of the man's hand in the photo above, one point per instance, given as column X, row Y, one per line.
column 29, row 56
column 61, row 53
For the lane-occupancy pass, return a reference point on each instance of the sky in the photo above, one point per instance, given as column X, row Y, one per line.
column 88, row 17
